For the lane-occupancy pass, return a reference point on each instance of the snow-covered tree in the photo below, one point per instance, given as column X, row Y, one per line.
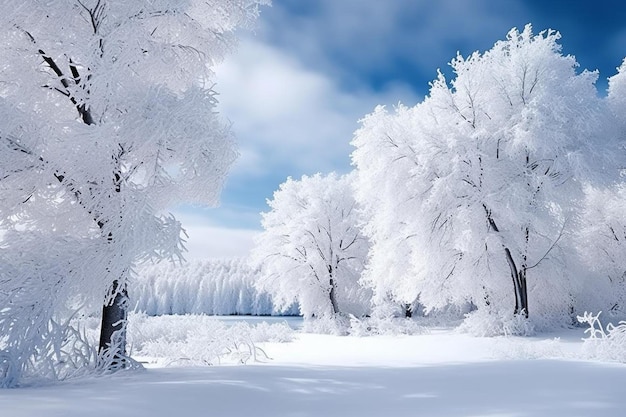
column 108, row 118
column 483, row 179
column 385, row 188
column 601, row 242
column 617, row 95
column 601, row 234
column 312, row 250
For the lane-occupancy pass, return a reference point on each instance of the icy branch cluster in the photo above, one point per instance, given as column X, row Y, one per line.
column 607, row 343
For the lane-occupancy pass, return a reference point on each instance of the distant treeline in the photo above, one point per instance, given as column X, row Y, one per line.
column 214, row 287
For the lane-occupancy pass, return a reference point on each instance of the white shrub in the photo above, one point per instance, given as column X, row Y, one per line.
column 606, row 343
column 200, row 340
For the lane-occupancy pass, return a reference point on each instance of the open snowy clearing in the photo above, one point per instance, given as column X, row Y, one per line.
column 441, row 373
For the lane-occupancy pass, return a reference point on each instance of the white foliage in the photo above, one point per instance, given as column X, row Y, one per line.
column 40, row 280
column 312, row 248
column 601, row 230
column 601, row 241
column 617, row 93
column 212, row 287
column 201, row 340
column 604, row 343
column 489, row 323
column 384, row 158
column 107, row 119
column 490, row 162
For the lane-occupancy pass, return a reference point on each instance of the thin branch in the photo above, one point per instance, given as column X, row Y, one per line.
column 545, row 255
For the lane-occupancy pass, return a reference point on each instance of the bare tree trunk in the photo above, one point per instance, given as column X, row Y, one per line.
column 519, row 285
column 518, row 276
column 333, row 296
column 112, row 346
column 523, row 291
column 113, row 327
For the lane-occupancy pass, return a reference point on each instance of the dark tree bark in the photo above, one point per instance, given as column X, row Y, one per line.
column 114, row 313
column 518, row 276
column 333, row 296
column 519, row 285
column 113, row 327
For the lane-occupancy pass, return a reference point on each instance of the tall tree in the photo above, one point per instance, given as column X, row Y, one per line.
column 115, row 121
column 601, row 232
column 312, row 250
column 495, row 163
column 387, row 194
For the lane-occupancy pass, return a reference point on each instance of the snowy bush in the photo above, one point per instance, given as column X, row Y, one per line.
column 220, row 287
column 40, row 276
column 606, row 343
column 61, row 352
column 200, row 340
column 488, row 323
column 186, row 339
column 276, row 332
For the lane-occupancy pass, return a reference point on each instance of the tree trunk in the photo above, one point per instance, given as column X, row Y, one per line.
column 114, row 313
column 523, row 291
column 518, row 276
column 113, row 328
column 333, row 297
column 112, row 346
column 519, row 285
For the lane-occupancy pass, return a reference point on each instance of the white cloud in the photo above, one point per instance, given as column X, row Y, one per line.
column 210, row 241
column 288, row 116
column 372, row 36
column 296, row 92
column 289, row 120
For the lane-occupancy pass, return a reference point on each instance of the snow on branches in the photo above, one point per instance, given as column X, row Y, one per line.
column 607, row 343
column 110, row 120
column 312, row 250
column 475, row 189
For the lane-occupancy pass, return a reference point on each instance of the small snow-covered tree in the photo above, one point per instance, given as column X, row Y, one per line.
column 111, row 120
column 312, row 250
column 487, row 173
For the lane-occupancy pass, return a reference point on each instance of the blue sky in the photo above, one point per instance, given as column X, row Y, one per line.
column 295, row 88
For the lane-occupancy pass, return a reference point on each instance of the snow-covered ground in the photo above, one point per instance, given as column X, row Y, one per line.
column 439, row 373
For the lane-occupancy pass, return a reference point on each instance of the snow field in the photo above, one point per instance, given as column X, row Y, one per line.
column 438, row 373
